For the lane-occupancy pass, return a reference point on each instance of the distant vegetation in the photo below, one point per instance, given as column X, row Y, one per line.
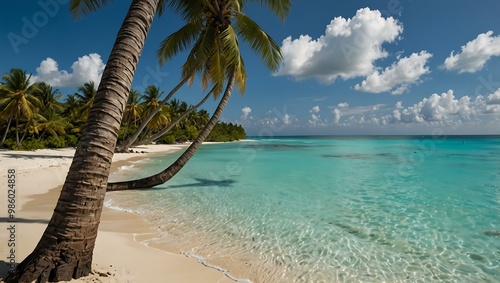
column 34, row 116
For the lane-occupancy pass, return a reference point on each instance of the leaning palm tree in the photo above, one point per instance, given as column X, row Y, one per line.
column 17, row 101
column 200, row 25
column 66, row 247
column 220, row 23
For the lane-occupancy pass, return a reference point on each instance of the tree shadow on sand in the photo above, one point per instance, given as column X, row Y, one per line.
column 35, row 156
column 4, row 269
column 23, row 220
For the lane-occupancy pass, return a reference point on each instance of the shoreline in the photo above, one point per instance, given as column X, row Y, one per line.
column 40, row 176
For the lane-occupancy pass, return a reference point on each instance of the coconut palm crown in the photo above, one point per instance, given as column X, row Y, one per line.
column 212, row 31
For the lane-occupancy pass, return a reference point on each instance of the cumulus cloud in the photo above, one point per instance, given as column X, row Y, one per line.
column 287, row 120
column 397, row 77
column 446, row 109
column 494, row 98
column 437, row 109
column 86, row 68
column 348, row 48
column 277, row 120
column 315, row 117
column 315, row 120
column 245, row 111
column 474, row 54
column 336, row 115
column 343, row 105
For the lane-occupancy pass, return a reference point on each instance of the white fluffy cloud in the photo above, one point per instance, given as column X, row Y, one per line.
column 397, row 77
column 348, row 48
column 336, row 115
column 277, row 120
column 494, row 98
column 86, row 68
column 446, row 109
column 474, row 54
column 245, row 111
column 287, row 120
column 437, row 109
column 315, row 120
column 315, row 117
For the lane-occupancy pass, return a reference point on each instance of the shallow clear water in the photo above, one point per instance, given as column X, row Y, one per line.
column 334, row 209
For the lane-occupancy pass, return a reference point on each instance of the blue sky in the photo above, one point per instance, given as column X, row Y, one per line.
column 355, row 67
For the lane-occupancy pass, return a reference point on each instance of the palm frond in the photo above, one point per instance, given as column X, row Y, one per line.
column 280, row 7
column 179, row 41
column 241, row 76
column 188, row 9
column 259, row 41
column 230, row 44
column 79, row 8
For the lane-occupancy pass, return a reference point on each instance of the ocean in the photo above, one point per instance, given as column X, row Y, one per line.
column 332, row 209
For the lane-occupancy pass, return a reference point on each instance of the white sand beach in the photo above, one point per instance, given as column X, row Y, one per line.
column 119, row 255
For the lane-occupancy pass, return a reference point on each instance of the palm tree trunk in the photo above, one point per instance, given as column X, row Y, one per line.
column 123, row 147
column 17, row 131
column 7, row 129
column 66, row 247
column 24, row 134
column 169, row 172
column 171, row 125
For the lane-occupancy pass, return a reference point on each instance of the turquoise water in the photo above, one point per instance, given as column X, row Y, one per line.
column 334, row 209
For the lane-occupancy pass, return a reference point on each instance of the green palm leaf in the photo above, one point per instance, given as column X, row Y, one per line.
column 279, row 7
column 79, row 8
column 259, row 40
column 180, row 40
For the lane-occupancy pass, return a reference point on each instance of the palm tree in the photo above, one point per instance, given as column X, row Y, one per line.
column 85, row 97
column 172, row 124
column 51, row 123
column 133, row 109
column 48, row 97
column 71, row 108
column 203, row 16
column 66, row 247
column 220, row 23
column 17, row 100
column 146, row 119
column 151, row 98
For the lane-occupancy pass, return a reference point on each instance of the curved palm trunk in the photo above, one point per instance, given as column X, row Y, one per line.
column 66, row 247
column 171, row 125
column 173, row 169
column 130, row 140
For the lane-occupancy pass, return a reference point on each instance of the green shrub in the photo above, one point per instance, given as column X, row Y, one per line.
column 32, row 144
column 71, row 140
column 52, row 142
column 167, row 139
